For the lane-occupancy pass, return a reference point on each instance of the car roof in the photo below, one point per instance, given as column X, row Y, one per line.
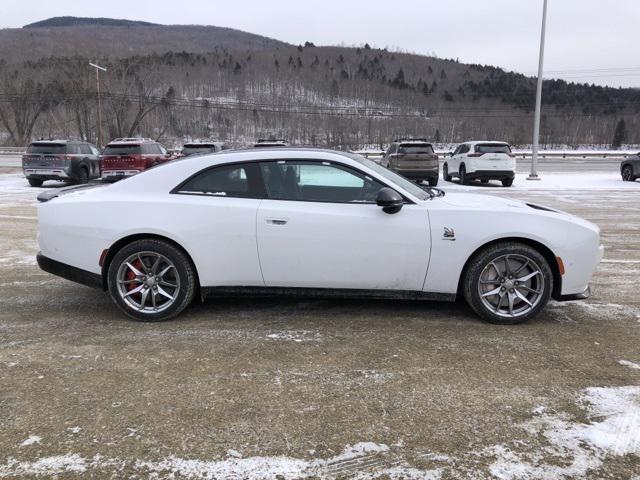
column 55, row 140
column 129, row 140
column 492, row 142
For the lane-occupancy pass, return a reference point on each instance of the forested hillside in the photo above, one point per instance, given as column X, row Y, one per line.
column 236, row 86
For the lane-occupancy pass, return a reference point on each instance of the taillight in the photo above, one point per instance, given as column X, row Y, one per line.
column 433, row 157
column 64, row 157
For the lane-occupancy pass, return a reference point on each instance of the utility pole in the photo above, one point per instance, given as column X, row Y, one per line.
column 99, row 119
column 536, row 121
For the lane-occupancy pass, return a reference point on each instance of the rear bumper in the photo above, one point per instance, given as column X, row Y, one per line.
column 68, row 272
column 113, row 175
column 46, row 173
column 409, row 173
column 491, row 175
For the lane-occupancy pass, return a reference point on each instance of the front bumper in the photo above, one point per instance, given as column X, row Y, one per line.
column 68, row 272
column 575, row 296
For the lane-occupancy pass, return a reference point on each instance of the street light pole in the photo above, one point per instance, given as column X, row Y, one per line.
column 99, row 118
column 536, row 121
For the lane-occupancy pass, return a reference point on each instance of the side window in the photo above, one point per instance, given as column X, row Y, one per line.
column 318, row 182
column 73, row 149
column 457, row 150
column 237, row 180
column 94, row 150
column 464, row 149
column 85, row 150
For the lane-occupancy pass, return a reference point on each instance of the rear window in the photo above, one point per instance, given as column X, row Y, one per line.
column 415, row 148
column 121, row 150
column 493, row 148
column 51, row 148
column 188, row 150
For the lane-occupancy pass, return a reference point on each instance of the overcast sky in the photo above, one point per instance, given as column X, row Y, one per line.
column 587, row 40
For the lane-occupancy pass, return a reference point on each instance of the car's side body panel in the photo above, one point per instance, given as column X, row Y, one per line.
column 326, row 245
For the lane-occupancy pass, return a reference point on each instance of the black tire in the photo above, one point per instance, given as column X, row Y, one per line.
column 433, row 182
column 83, row 176
column 184, row 276
column 627, row 174
column 462, row 174
column 507, row 182
column 35, row 182
column 484, row 258
column 445, row 173
column 484, row 181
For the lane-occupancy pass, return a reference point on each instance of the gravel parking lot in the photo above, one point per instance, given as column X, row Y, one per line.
column 254, row 388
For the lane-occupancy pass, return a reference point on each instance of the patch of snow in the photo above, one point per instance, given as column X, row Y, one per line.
column 629, row 364
column 234, row 453
column 33, row 439
column 295, row 336
column 74, row 429
column 47, row 466
column 576, row 448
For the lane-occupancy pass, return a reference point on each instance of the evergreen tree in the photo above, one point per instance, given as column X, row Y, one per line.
column 436, row 137
column 620, row 134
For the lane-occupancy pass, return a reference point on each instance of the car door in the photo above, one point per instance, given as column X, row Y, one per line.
column 320, row 227
column 453, row 161
column 217, row 208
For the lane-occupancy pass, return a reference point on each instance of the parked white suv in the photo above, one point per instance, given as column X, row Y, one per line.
column 482, row 161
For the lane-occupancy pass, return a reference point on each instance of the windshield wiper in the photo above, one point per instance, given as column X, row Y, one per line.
column 432, row 191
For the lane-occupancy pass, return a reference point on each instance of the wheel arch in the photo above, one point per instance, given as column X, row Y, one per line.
column 119, row 244
column 544, row 250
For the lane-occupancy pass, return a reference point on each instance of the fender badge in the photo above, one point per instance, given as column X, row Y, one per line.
column 449, row 234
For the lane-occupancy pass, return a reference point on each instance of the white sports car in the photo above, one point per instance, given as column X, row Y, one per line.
column 309, row 222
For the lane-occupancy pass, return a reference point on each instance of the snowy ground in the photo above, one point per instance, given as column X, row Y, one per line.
column 324, row 389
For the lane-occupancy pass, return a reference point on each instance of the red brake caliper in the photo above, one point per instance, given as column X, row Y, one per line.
column 132, row 276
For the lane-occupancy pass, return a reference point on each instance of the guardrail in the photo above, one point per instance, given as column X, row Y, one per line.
column 613, row 154
column 12, row 150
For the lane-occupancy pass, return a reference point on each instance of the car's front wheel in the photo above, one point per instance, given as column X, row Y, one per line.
column 508, row 283
column 627, row 174
column 151, row 280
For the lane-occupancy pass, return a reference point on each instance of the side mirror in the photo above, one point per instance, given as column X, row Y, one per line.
column 390, row 200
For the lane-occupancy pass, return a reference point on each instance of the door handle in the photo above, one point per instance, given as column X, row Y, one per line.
column 277, row 221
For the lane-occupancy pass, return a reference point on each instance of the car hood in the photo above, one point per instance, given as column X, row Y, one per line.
column 483, row 202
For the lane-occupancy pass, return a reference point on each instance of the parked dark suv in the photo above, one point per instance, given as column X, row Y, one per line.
column 630, row 168
column 413, row 159
column 67, row 160
column 124, row 157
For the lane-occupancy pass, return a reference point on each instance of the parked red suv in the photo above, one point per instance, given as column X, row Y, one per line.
column 124, row 157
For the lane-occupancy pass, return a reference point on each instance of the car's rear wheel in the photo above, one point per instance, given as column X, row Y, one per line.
column 627, row 174
column 462, row 174
column 445, row 173
column 151, row 280
column 507, row 182
column 433, row 182
column 35, row 182
column 83, row 176
column 508, row 283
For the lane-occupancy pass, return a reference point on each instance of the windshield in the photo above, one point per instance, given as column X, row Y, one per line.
column 51, row 148
column 493, row 148
column 121, row 149
column 416, row 148
column 409, row 186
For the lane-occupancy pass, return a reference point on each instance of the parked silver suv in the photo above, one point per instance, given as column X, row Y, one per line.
column 413, row 159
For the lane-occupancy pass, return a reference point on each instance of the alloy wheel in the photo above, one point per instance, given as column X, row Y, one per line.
column 511, row 285
column 148, row 282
